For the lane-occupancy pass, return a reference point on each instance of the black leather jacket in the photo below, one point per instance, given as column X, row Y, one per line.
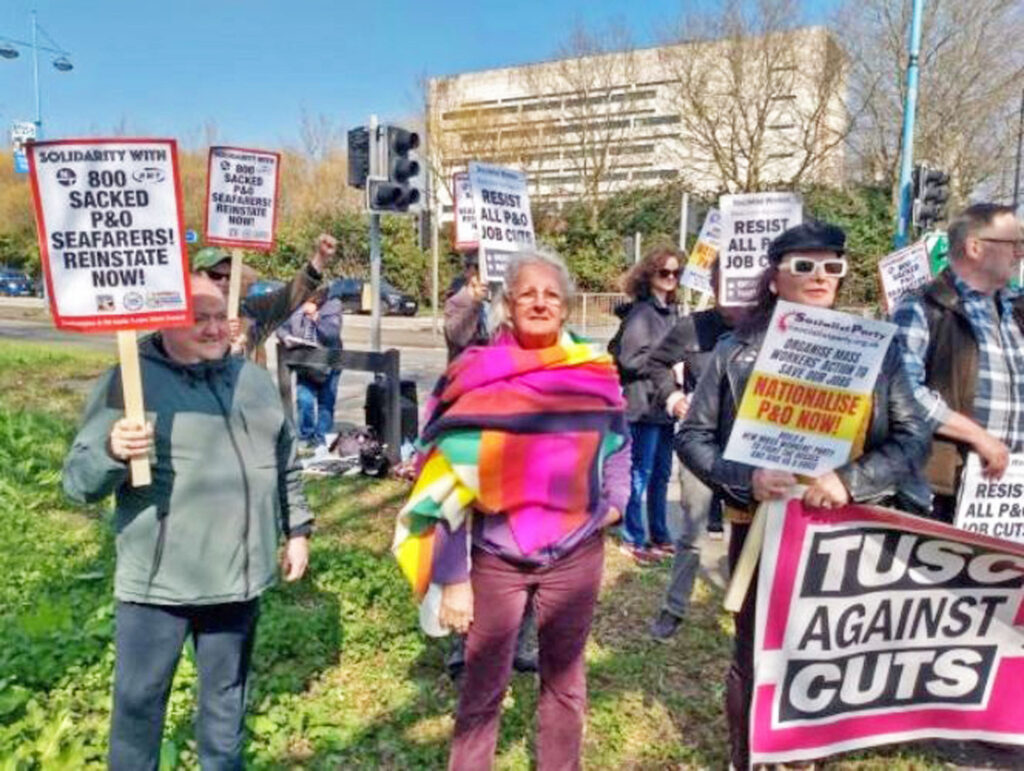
column 888, row 472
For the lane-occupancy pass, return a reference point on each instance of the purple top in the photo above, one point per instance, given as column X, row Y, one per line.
column 492, row 533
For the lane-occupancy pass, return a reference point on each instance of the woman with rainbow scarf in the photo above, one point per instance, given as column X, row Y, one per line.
column 524, row 462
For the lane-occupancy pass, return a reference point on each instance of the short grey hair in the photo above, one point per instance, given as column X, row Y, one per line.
column 547, row 258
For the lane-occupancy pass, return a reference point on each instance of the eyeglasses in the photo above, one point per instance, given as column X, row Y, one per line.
column 1017, row 244
column 666, row 273
column 216, row 275
column 805, row 266
column 533, row 297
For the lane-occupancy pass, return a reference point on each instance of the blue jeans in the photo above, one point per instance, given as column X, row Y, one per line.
column 148, row 642
column 315, row 403
column 652, row 466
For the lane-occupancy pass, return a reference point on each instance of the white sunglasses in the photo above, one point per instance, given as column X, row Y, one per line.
column 805, row 266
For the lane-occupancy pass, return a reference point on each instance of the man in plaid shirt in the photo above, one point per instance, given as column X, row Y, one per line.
column 963, row 348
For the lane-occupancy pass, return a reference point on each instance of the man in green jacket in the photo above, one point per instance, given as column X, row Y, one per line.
column 198, row 546
column 266, row 313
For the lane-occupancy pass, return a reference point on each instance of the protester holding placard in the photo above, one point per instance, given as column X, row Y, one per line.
column 651, row 284
column 525, row 463
column 688, row 345
column 198, row 546
column 315, row 324
column 266, row 312
column 963, row 346
column 806, row 265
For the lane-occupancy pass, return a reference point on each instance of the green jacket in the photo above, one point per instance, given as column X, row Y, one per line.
column 225, row 481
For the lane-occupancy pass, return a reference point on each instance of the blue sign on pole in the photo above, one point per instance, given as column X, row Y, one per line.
column 20, row 162
column 191, row 236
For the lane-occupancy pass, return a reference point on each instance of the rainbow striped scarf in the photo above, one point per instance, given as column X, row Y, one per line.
column 518, row 432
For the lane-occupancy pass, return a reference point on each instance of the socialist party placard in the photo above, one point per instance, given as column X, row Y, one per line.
column 697, row 274
column 992, row 506
column 503, row 218
column 810, row 390
column 750, row 222
column 875, row 626
column 241, row 197
column 110, row 228
column 903, row 271
column 464, row 232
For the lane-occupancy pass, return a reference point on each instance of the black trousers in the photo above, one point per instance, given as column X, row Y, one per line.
column 149, row 639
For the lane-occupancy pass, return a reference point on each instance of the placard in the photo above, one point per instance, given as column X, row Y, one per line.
column 750, row 222
column 992, row 506
column 504, row 222
column 241, row 197
column 903, row 271
column 111, row 236
column 875, row 626
column 465, row 237
column 810, row 390
column 697, row 273
column 22, row 132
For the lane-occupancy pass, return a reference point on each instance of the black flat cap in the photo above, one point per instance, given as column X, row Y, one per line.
column 810, row 236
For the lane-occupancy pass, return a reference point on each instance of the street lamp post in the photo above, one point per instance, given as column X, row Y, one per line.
column 61, row 63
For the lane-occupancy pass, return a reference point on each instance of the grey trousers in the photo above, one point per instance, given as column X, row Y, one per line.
column 695, row 504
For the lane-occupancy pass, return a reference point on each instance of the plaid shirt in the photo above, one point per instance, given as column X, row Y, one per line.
column 999, row 389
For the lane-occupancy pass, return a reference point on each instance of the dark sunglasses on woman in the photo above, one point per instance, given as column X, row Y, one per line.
column 666, row 273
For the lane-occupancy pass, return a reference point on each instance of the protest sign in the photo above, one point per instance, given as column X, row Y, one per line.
column 992, row 506
column 22, row 132
column 111, row 242
column 874, row 626
column 697, row 274
column 109, row 223
column 504, row 222
column 750, row 222
column 810, row 390
column 241, row 197
column 464, row 233
column 902, row 272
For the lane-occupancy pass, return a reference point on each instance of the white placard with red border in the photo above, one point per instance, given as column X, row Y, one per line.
column 875, row 626
column 903, row 271
column 465, row 237
column 111, row 233
column 241, row 198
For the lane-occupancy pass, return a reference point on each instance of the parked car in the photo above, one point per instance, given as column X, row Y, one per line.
column 13, row 283
column 354, row 294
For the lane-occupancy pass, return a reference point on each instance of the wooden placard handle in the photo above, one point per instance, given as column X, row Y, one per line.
column 134, row 410
column 739, row 583
column 235, row 287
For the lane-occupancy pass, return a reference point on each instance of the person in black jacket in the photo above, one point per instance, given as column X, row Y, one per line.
column 652, row 284
column 806, row 266
column 688, row 345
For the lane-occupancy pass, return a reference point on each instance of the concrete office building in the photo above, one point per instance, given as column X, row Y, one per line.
column 584, row 128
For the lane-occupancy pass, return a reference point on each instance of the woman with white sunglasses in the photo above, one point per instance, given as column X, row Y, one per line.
column 807, row 264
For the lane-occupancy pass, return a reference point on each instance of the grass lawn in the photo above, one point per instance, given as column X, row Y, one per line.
column 343, row 678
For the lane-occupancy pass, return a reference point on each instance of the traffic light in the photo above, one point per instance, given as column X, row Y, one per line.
column 395, row 193
column 931, row 196
column 358, row 156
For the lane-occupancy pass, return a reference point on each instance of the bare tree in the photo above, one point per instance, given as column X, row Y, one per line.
column 586, row 116
column 971, row 74
column 761, row 102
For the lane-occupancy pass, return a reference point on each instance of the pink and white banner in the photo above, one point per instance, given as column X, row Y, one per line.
column 875, row 626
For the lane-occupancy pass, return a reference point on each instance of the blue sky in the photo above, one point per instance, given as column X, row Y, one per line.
column 170, row 67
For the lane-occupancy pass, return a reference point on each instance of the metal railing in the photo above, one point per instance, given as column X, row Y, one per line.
column 593, row 314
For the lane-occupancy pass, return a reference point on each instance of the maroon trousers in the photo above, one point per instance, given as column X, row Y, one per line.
column 564, row 595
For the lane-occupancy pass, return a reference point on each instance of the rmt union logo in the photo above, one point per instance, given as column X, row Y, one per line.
column 66, row 177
